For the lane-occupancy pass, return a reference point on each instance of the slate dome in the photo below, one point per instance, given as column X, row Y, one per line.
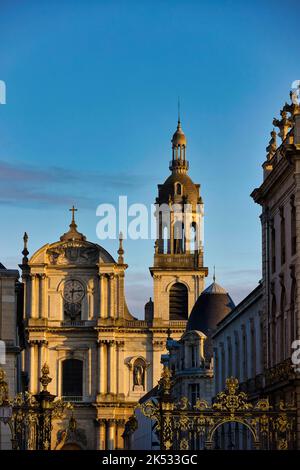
column 210, row 308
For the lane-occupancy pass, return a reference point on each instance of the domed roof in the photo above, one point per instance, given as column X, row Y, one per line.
column 72, row 248
column 190, row 189
column 178, row 137
column 210, row 308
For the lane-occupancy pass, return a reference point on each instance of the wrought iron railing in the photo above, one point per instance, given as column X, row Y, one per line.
column 72, row 399
column 74, row 323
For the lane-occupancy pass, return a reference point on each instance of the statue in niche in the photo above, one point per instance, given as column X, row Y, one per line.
column 138, row 375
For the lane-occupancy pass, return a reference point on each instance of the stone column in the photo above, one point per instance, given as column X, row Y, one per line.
column 90, row 302
column 96, row 296
column 117, row 297
column 103, row 367
column 104, row 306
column 101, row 295
column 37, row 296
column 101, row 434
column 32, row 367
column 157, row 366
column 27, row 295
column 112, row 367
column 102, row 379
column 111, row 284
column 187, row 221
column 170, row 242
column 41, row 359
column 43, row 297
column 33, row 296
column 201, row 350
column 120, row 430
column 111, row 435
column 40, row 364
column 121, row 300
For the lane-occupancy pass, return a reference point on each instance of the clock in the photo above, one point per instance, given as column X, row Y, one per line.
column 73, row 291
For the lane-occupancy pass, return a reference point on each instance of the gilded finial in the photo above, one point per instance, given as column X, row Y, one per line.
column 178, row 104
column 45, row 379
column 121, row 249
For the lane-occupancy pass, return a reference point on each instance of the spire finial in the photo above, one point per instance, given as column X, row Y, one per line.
column 178, row 104
column 214, row 276
column 72, row 234
column 121, row 249
column 25, row 251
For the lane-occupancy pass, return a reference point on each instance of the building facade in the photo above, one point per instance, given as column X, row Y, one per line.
column 256, row 341
column 10, row 293
column 238, row 345
column 279, row 197
column 191, row 362
column 76, row 319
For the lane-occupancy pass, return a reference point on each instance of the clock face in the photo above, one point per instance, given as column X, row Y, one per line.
column 73, row 291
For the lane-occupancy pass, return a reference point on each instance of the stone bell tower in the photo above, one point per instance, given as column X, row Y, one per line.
column 178, row 270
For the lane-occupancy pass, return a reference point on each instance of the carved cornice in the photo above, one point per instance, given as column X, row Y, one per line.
column 275, row 177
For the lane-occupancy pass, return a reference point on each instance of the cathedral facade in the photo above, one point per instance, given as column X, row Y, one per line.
column 101, row 358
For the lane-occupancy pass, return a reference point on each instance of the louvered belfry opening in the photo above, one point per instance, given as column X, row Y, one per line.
column 178, row 302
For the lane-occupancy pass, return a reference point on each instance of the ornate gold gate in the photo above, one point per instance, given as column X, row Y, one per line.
column 30, row 417
column 181, row 426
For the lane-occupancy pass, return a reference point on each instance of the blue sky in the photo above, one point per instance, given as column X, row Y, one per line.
column 92, row 93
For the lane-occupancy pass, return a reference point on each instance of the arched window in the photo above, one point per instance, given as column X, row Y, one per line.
column 178, row 302
column 178, row 189
column 72, row 379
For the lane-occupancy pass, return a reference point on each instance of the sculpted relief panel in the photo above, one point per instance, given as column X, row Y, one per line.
column 73, row 252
